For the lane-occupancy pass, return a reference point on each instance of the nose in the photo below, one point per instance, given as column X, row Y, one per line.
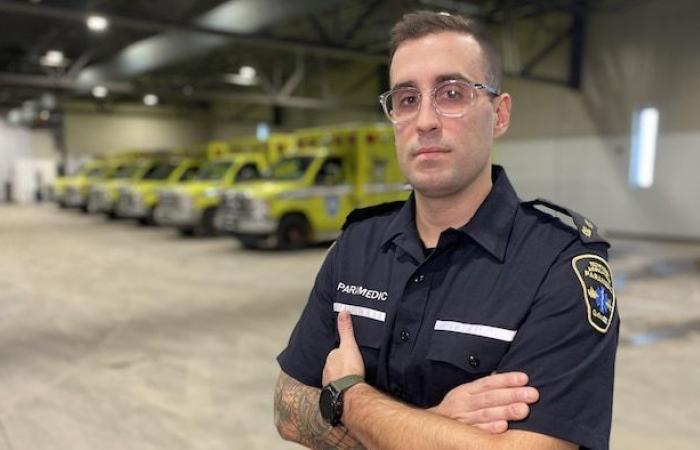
column 428, row 119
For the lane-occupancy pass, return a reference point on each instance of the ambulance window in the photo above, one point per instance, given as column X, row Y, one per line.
column 126, row 171
column 95, row 173
column 291, row 168
column 214, row 170
column 159, row 171
column 331, row 172
column 248, row 172
column 189, row 173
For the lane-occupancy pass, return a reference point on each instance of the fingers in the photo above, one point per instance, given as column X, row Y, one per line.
column 497, row 381
column 345, row 330
column 490, row 416
column 503, row 397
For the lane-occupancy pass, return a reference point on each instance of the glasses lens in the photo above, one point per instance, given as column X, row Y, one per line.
column 402, row 103
column 454, row 98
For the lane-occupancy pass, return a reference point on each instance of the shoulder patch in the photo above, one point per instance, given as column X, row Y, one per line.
column 360, row 214
column 596, row 281
column 588, row 231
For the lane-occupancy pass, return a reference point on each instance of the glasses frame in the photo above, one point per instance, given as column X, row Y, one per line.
column 478, row 86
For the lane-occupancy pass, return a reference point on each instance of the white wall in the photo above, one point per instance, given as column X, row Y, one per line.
column 28, row 160
column 573, row 148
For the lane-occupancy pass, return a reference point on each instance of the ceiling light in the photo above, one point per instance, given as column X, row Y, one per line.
column 45, row 115
column 100, row 91
column 247, row 72
column 97, row 23
column 52, row 58
column 150, row 100
column 48, row 101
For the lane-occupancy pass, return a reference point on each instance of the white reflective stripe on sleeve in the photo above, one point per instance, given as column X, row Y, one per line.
column 502, row 334
column 360, row 311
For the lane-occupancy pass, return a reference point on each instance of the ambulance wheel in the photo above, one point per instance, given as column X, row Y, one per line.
column 206, row 224
column 185, row 231
column 293, row 232
column 149, row 220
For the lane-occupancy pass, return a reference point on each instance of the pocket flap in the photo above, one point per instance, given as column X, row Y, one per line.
column 468, row 352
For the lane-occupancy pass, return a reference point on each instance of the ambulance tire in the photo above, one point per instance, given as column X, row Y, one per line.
column 293, row 232
column 149, row 220
column 185, row 231
column 206, row 224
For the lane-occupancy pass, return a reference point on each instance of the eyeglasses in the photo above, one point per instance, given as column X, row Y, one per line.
column 451, row 98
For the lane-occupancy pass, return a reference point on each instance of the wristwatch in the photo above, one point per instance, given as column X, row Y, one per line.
column 331, row 400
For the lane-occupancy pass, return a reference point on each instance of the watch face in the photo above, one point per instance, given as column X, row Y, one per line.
column 327, row 405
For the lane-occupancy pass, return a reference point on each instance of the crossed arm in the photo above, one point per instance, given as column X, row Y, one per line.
column 471, row 416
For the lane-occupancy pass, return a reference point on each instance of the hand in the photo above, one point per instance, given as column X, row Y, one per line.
column 490, row 402
column 346, row 359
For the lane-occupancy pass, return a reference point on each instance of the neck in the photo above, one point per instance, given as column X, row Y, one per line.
column 436, row 214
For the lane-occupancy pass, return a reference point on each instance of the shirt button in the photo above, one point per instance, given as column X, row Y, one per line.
column 418, row 278
column 473, row 360
column 405, row 335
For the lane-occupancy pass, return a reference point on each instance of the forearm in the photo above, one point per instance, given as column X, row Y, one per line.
column 298, row 418
column 381, row 423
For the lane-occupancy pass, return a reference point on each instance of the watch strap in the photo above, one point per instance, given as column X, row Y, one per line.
column 347, row 382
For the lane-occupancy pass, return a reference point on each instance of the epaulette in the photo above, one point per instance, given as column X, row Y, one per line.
column 588, row 231
column 371, row 211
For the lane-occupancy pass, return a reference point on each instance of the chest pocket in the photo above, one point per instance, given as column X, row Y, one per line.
column 456, row 358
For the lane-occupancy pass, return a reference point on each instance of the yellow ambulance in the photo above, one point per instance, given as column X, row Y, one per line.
column 192, row 206
column 305, row 196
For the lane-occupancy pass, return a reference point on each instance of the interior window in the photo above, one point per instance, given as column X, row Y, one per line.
column 331, row 172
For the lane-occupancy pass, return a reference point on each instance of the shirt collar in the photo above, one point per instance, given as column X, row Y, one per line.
column 493, row 221
column 490, row 227
column 403, row 226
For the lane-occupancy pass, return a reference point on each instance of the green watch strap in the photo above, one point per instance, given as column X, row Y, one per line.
column 346, row 382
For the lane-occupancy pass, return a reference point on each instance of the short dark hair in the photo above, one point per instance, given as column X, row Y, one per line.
column 418, row 24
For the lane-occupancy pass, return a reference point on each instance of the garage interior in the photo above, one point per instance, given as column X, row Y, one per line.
column 117, row 336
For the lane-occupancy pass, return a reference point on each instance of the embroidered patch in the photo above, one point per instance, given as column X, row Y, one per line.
column 596, row 280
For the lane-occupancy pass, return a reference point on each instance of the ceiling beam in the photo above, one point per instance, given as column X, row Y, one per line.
column 150, row 26
column 43, row 83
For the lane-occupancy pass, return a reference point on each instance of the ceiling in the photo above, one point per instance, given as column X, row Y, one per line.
column 190, row 53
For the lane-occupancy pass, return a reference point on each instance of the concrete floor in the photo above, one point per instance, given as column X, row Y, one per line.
column 114, row 336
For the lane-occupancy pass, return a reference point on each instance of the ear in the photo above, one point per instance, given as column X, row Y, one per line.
column 501, row 112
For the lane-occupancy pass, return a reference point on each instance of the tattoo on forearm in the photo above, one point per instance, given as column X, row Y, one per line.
column 298, row 418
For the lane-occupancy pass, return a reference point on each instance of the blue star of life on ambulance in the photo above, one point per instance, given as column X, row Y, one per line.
column 601, row 301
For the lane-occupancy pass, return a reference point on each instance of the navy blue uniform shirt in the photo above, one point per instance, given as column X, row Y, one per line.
column 513, row 289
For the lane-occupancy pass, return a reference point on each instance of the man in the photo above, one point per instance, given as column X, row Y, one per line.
column 460, row 281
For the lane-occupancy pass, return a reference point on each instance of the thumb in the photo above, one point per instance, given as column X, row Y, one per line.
column 347, row 335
